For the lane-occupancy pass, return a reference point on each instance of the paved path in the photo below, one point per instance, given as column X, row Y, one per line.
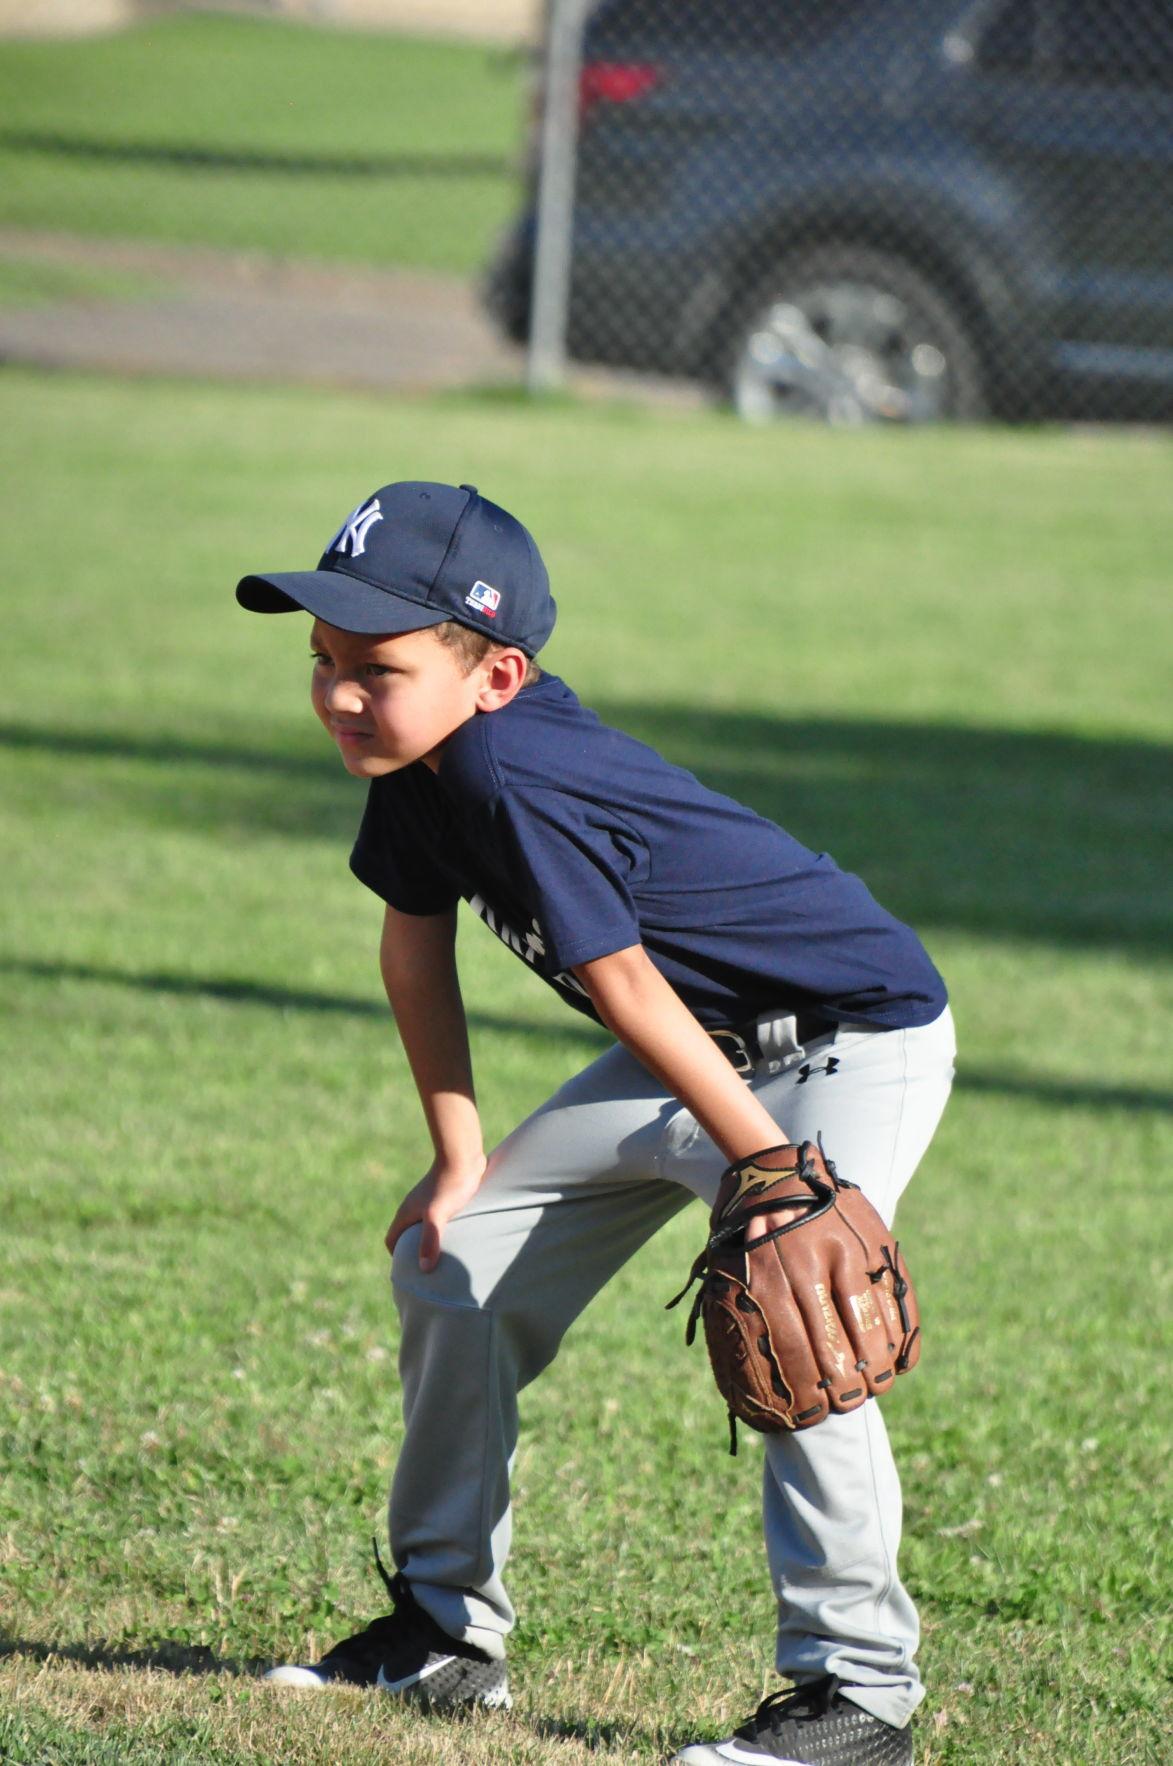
column 229, row 315
column 237, row 315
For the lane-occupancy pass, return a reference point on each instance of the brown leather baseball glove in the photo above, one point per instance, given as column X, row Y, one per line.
column 815, row 1316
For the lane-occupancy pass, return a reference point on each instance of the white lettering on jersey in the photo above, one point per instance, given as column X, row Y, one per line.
column 529, row 946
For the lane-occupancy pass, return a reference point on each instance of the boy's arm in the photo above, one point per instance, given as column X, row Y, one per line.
column 417, row 957
column 651, row 1020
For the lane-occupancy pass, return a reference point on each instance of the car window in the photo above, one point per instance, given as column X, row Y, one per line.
column 1008, row 42
column 785, row 26
column 1129, row 43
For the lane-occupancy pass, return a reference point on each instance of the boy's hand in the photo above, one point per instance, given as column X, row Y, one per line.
column 439, row 1195
column 761, row 1224
column 813, row 1321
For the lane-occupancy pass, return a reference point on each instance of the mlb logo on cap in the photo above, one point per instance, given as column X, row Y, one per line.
column 485, row 599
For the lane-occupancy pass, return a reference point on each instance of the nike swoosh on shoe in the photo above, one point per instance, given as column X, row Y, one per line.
column 737, row 1753
column 428, row 1668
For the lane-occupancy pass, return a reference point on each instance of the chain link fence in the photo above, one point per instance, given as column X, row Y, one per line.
column 857, row 210
column 852, row 210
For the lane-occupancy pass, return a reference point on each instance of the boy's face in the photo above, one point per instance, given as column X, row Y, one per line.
column 389, row 701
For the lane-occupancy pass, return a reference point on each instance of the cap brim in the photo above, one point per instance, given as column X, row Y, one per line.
column 340, row 600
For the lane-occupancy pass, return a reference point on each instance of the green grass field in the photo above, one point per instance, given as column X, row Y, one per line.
column 26, row 283
column 94, row 130
column 939, row 655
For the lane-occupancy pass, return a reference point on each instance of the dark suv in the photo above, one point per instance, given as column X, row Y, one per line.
column 875, row 209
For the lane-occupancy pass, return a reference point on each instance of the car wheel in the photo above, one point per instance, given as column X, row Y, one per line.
column 852, row 336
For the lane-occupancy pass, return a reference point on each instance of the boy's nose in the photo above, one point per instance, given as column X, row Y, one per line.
column 343, row 696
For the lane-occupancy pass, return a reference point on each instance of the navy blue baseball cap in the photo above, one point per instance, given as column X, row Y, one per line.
column 415, row 555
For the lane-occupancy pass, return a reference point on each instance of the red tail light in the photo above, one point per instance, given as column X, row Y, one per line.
column 613, row 82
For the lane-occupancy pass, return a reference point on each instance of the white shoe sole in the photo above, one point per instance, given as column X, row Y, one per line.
column 726, row 1754
column 307, row 1680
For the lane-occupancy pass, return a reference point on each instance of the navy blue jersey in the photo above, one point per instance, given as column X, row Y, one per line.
column 572, row 840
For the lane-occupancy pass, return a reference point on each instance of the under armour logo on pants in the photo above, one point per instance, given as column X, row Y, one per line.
column 805, row 1071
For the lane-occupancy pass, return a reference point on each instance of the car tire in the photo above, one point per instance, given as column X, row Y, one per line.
column 849, row 336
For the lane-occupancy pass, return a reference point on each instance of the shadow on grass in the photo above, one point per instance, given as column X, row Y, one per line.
column 167, row 1657
column 198, row 1660
column 1018, row 834
column 192, row 157
column 572, row 1029
column 592, row 1733
column 1026, row 834
column 1062, row 1094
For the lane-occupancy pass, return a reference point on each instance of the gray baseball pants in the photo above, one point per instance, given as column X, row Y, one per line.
column 567, row 1198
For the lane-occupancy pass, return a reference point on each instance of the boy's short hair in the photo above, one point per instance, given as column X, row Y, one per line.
column 472, row 647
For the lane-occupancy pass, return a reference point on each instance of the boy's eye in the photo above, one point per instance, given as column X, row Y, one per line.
column 378, row 668
column 317, row 656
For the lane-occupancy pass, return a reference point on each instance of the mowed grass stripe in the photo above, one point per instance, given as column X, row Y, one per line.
column 265, row 135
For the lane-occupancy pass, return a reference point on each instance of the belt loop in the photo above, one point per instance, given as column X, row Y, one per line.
column 778, row 1038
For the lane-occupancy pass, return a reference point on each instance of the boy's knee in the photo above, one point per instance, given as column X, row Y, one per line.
column 405, row 1259
column 448, row 1284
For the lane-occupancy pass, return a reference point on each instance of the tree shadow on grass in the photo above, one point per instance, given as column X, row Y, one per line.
column 573, row 1031
column 220, row 788
column 233, row 991
column 1020, row 834
column 1027, row 834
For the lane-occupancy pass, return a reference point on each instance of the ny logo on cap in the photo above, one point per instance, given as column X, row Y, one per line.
column 352, row 535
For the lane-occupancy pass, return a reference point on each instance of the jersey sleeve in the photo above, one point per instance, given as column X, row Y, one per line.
column 579, row 865
column 393, row 856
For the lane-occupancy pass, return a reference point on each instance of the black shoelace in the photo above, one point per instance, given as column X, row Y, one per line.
column 373, row 1638
column 396, row 1585
column 800, row 1705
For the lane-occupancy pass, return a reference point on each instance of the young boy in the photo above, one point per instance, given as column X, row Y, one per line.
column 756, row 994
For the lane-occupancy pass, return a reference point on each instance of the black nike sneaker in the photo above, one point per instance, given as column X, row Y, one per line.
column 406, row 1653
column 814, row 1726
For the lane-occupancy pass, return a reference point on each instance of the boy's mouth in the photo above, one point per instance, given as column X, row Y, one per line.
column 341, row 733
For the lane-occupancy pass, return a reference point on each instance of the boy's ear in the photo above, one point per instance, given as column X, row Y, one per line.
column 503, row 676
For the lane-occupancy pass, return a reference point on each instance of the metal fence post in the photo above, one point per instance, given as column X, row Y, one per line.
column 546, row 360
